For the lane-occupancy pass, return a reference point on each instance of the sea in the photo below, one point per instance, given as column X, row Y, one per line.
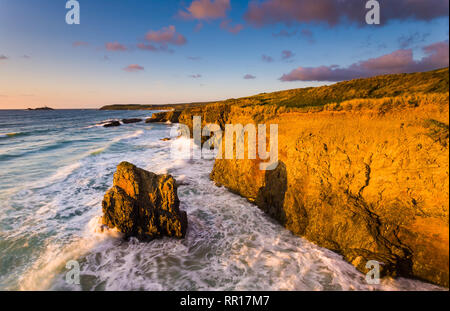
column 55, row 167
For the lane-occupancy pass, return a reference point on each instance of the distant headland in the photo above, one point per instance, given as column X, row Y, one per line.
column 154, row 107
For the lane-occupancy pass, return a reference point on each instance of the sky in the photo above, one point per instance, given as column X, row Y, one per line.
column 158, row 52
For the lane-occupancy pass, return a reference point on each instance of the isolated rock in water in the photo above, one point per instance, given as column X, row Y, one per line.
column 112, row 124
column 128, row 121
column 143, row 204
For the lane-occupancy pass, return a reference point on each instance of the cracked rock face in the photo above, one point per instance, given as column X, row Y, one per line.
column 165, row 116
column 144, row 205
column 368, row 185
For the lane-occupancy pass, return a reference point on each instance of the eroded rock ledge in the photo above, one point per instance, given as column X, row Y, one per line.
column 144, row 205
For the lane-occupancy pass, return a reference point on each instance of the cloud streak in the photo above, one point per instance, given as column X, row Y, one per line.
column 153, row 48
column 206, row 9
column 400, row 61
column 133, row 68
column 166, row 35
column 249, row 77
column 115, row 47
column 3, row 57
column 159, row 40
column 334, row 12
column 79, row 44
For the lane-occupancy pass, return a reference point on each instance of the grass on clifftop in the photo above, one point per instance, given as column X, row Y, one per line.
column 436, row 81
column 394, row 85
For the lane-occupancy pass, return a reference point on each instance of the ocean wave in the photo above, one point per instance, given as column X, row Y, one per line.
column 10, row 135
column 128, row 136
column 101, row 123
column 54, row 259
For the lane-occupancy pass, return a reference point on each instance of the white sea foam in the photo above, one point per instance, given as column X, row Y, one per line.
column 101, row 123
column 230, row 243
column 42, row 274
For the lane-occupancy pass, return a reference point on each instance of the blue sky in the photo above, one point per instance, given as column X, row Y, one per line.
column 41, row 65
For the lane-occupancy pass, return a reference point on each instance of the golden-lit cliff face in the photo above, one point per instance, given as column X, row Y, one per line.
column 366, row 178
column 363, row 167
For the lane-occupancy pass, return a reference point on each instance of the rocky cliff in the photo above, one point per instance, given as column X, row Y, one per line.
column 368, row 180
column 363, row 168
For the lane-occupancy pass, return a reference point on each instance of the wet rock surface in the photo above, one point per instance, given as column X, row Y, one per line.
column 129, row 121
column 144, row 205
column 112, row 124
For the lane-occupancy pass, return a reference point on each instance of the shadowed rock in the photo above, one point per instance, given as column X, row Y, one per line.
column 166, row 116
column 112, row 124
column 144, row 205
column 128, row 121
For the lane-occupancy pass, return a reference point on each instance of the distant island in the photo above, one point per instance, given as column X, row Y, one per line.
column 40, row 108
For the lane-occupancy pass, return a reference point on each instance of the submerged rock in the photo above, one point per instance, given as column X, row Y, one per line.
column 134, row 120
column 144, row 205
column 112, row 124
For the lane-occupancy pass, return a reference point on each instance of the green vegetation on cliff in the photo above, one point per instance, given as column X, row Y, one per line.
column 393, row 85
column 436, row 81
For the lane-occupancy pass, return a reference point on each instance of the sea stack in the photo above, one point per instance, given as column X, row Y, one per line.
column 144, row 205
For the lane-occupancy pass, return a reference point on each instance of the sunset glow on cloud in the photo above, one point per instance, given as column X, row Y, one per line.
column 401, row 61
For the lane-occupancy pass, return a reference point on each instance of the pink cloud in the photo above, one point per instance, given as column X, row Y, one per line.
column 115, row 47
column 226, row 25
column 133, row 68
column 249, row 77
column 3, row 57
column 400, row 61
column 79, row 43
column 206, row 9
column 167, row 35
column 333, row 12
